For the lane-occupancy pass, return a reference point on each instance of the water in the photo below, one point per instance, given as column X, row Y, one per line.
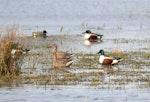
column 52, row 14
column 71, row 94
column 125, row 24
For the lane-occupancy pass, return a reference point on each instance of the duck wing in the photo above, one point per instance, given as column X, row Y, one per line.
column 63, row 55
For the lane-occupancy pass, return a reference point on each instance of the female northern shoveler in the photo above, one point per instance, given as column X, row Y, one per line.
column 108, row 60
column 88, row 35
column 40, row 34
column 60, row 62
column 60, row 54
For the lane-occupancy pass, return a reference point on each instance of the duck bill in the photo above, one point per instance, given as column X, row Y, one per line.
column 83, row 32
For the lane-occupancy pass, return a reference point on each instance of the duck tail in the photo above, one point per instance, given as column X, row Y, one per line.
column 116, row 60
column 69, row 63
column 71, row 54
column 119, row 59
column 99, row 36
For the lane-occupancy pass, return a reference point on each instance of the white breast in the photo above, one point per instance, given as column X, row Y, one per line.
column 86, row 36
column 101, row 59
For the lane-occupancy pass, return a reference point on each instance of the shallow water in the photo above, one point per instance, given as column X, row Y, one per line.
column 75, row 16
column 71, row 94
column 125, row 25
column 126, row 84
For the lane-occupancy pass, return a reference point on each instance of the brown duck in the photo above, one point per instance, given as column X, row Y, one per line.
column 60, row 54
column 60, row 62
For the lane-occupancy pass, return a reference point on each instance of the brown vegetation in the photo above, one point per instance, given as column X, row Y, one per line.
column 8, row 40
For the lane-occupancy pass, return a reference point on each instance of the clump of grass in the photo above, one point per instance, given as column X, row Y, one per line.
column 100, row 28
column 61, row 29
column 117, row 53
column 84, row 24
column 9, row 39
column 146, row 56
column 119, row 27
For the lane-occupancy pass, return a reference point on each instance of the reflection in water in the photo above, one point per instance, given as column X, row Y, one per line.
column 91, row 42
column 109, row 68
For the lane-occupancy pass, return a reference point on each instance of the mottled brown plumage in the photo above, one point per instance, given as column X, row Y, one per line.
column 60, row 62
column 60, row 54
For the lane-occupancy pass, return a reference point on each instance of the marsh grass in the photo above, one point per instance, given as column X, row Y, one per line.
column 9, row 39
column 86, row 60
column 146, row 56
column 130, row 73
column 86, row 70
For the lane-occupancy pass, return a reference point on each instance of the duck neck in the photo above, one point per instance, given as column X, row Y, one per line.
column 54, row 56
column 54, row 49
column 102, row 52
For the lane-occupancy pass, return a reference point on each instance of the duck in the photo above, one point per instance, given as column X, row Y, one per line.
column 104, row 60
column 59, row 63
column 40, row 34
column 88, row 35
column 60, row 54
column 62, row 59
column 17, row 51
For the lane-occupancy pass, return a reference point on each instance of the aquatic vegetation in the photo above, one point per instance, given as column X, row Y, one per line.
column 61, row 29
column 119, row 27
column 84, row 24
column 86, row 69
column 100, row 28
column 8, row 40
column 146, row 56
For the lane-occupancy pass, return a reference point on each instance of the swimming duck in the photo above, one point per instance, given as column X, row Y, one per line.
column 108, row 60
column 60, row 54
column 40, row 34
column 88, row 35
column 59, row 63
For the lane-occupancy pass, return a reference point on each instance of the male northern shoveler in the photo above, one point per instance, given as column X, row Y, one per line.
column 108, row 60
column 40, row 34
column 60, row 54
column 17, row 51
column 88, row 35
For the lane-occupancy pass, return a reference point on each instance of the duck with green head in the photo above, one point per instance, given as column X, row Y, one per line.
column 88, row 35
column 18, row 50
column 108, row 60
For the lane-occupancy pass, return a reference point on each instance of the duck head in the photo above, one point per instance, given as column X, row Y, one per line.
column 87, row 31
column 53, row 46
column 44, row 31
column 101, row 52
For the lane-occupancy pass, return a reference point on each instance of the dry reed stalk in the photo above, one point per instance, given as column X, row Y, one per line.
column 9, row 39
